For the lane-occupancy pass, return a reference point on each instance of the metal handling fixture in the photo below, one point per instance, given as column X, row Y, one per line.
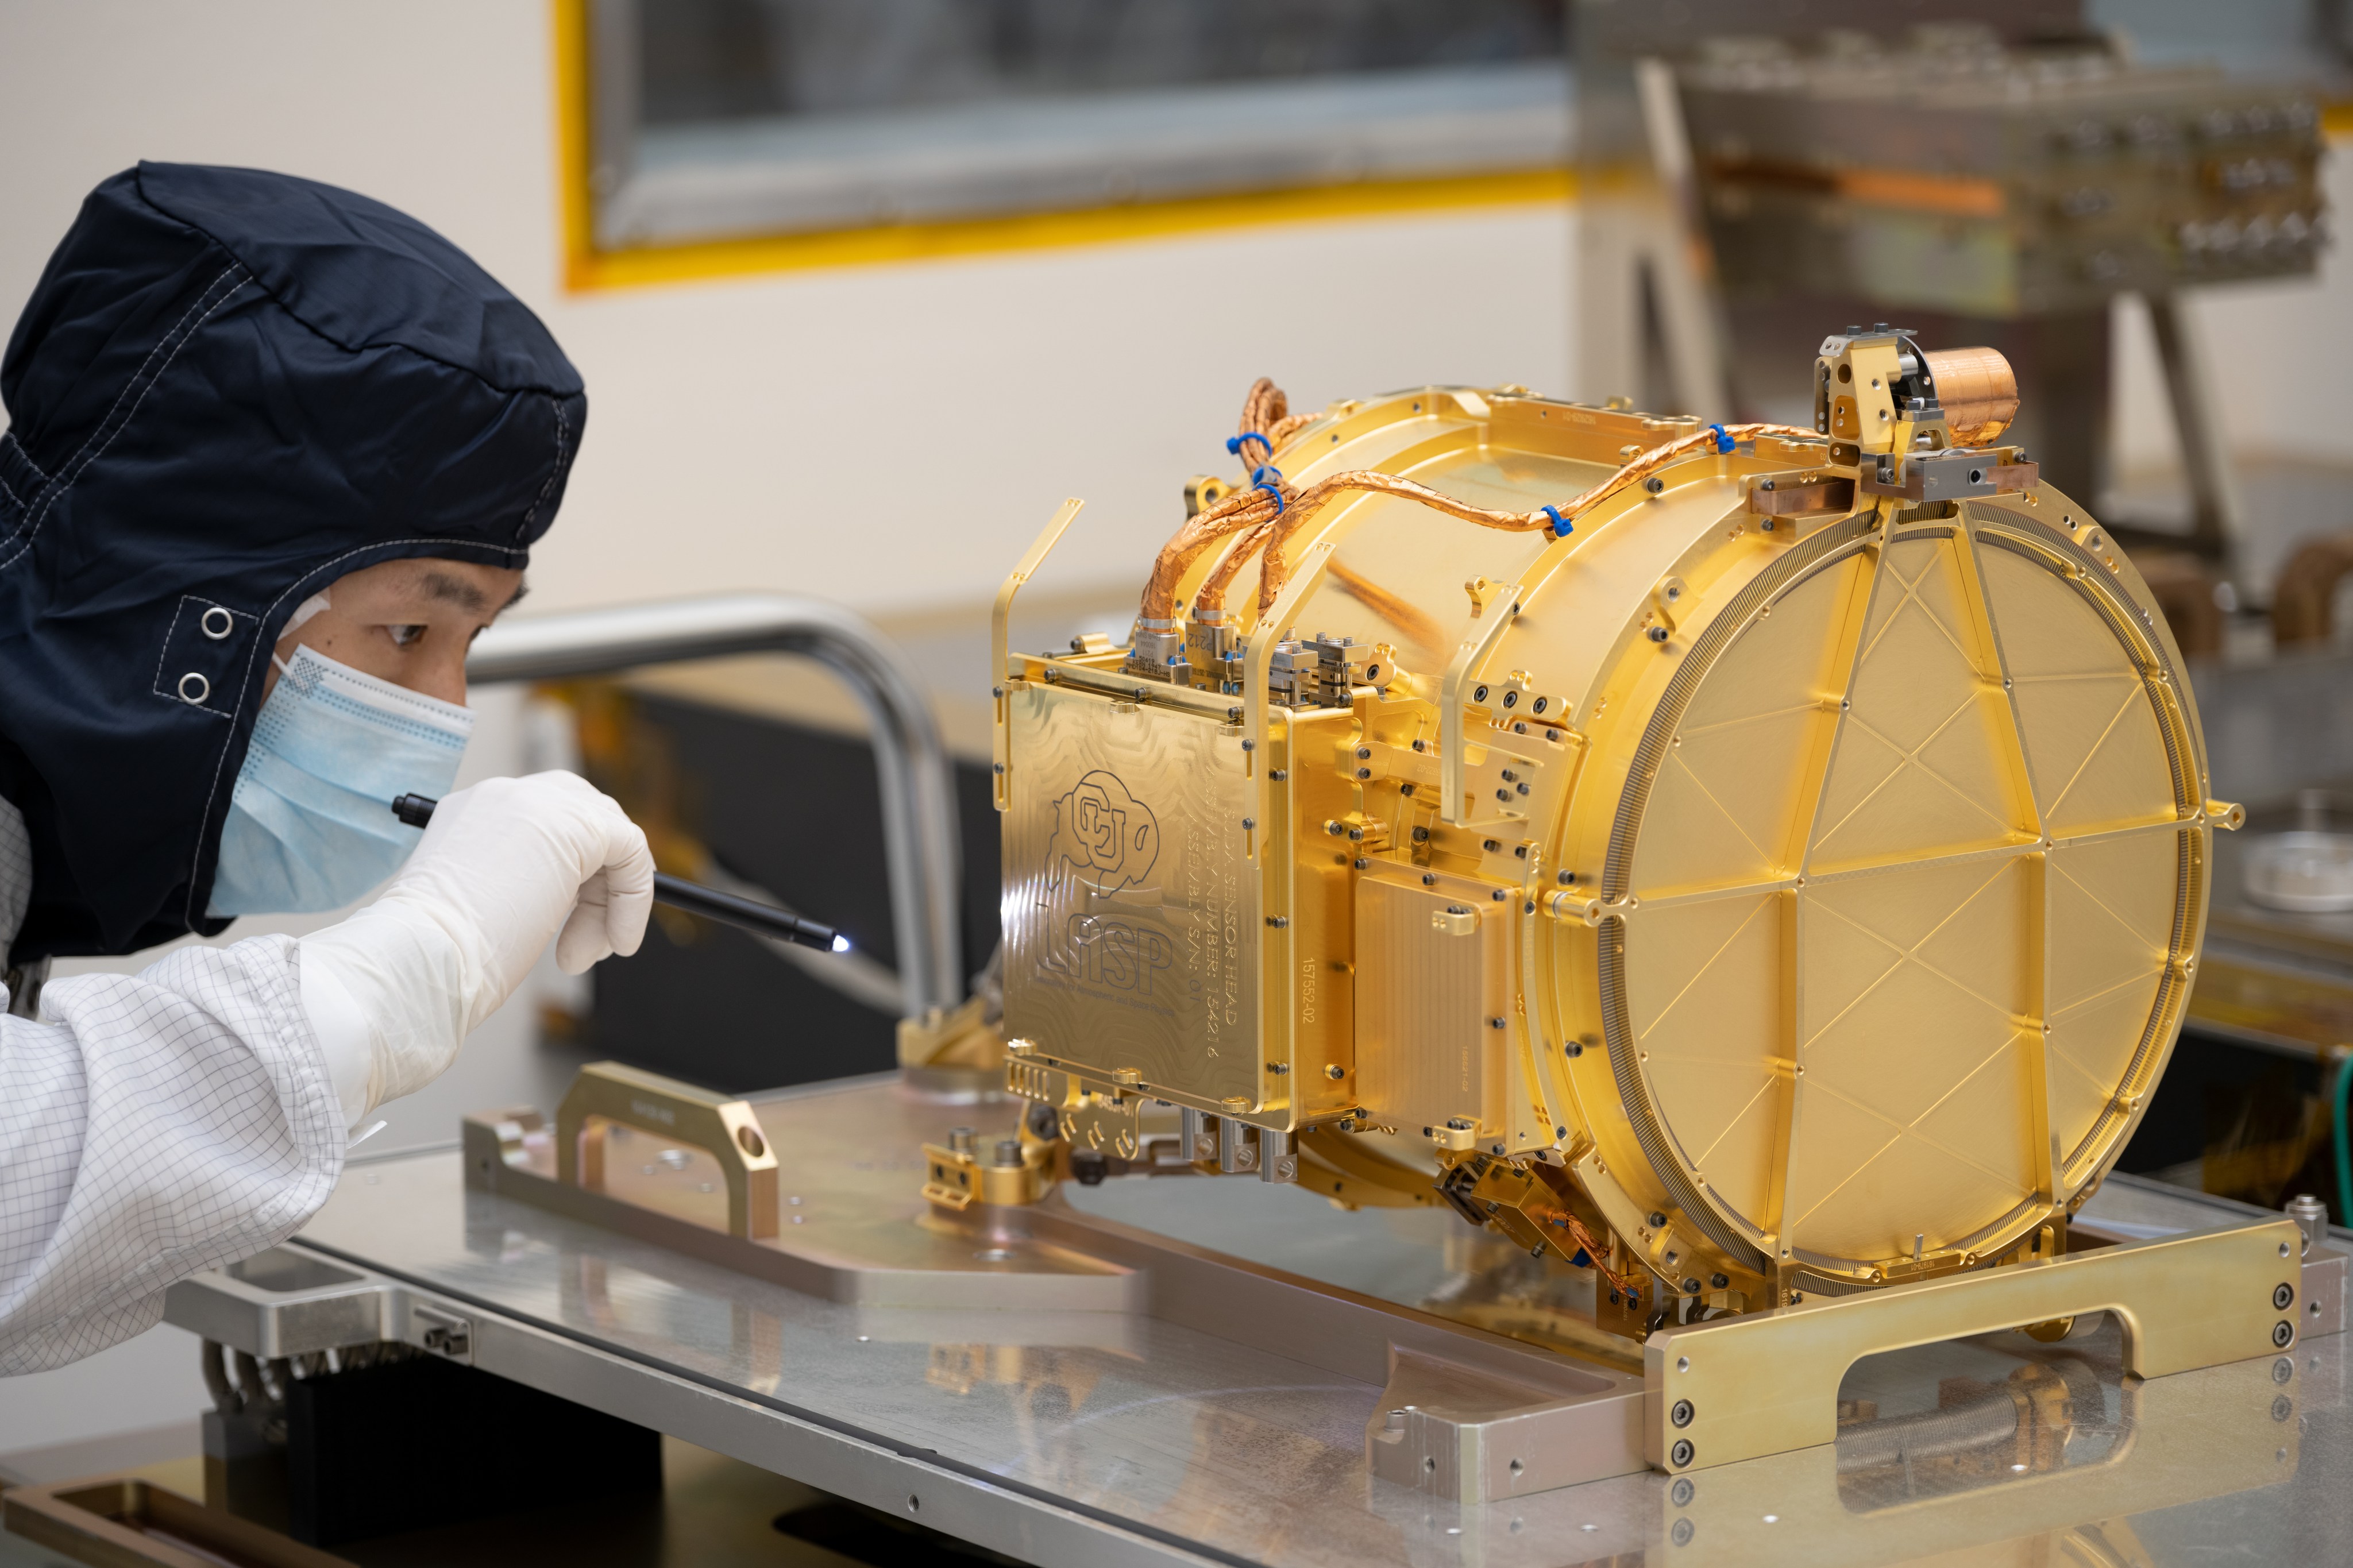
column 919, row 825
column 767, row 920
column 2000, row 177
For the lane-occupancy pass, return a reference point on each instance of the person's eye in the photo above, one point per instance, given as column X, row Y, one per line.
column 406, row 636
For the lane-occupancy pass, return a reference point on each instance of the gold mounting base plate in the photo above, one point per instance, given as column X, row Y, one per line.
column 1744, row 1387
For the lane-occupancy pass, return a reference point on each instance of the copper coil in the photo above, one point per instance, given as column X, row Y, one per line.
column 1978, row 391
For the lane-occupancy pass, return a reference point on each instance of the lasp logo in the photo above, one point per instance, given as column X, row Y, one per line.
column 1118, row 954
column 1111, row 837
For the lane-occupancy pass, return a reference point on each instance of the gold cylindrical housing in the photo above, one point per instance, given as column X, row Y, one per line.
column 1800, row 882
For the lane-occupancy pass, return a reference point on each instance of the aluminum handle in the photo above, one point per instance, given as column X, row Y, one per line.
column 919, row 820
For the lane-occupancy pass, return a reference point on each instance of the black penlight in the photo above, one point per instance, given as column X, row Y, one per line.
column 764, row 920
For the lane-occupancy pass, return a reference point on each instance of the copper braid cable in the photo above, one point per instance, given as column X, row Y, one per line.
column 1247, row 510
column 1273, row 574
column 1212, row 595
column 1594, row 1253
column 1265, row 425
column 1238, row 513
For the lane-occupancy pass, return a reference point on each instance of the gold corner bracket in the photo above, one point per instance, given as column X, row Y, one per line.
column 606, row 1094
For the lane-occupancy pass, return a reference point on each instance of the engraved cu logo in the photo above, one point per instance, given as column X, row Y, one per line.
column 1109, row 835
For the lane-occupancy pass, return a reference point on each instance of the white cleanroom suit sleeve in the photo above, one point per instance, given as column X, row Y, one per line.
column 152, row 1125
column 505, row 864
column 157, row 1124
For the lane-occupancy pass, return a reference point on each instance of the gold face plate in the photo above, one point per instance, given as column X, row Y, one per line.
column 1132, row 898
column 1910, row 863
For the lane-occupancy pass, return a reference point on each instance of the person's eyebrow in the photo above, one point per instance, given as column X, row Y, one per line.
column 466, row 595
column 455, row 591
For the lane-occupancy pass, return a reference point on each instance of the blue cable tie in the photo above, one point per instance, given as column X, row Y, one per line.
column 1259, row 474
column 1275, row 493
column 1561, row 526
column 1234, row 443
column 1723, row 443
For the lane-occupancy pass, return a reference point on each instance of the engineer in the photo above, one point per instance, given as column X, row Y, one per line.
column 275, row 453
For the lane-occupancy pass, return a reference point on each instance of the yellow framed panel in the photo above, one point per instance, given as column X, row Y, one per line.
column 587, row 268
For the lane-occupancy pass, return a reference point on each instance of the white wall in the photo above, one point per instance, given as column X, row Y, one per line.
column 886, row 437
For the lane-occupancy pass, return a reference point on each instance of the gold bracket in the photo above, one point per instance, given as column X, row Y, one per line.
column 959, row 1177
column 1454, row 691
column 1739, row 1388
column 727, row 1129
column 1460, row 1135
column 999, row 627
column 1203, row 491
column 1092, row 1116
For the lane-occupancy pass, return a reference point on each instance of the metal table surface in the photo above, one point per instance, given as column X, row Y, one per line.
column 1105, row 1436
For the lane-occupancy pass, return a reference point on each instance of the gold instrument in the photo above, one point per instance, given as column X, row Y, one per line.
column 1749, row 861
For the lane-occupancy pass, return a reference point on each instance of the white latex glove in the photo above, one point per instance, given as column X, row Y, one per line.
column 505, row 864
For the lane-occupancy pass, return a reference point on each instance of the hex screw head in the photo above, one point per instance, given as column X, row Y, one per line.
column 1681, row 1413
column 1681, row 1454
column 2283, row 1296
column 2282, row 1334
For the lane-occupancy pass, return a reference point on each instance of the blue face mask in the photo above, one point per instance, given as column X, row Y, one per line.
column 311, row 826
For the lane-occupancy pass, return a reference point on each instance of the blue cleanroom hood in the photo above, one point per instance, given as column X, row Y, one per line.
column 228, row 389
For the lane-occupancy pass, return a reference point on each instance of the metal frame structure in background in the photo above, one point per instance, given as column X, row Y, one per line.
column 920, row 840
column 1655, row 261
